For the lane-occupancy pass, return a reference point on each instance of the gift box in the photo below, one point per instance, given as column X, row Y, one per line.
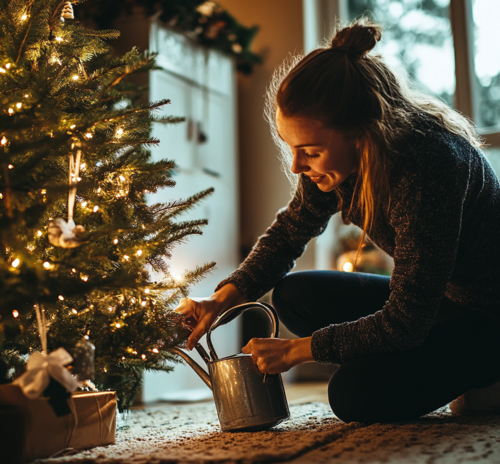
column 92, row 422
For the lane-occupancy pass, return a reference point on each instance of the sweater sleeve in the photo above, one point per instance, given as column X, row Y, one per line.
column 427, row 196
column 275, row 252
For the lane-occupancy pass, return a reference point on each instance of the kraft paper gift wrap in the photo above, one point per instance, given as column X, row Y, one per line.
column 92, row 422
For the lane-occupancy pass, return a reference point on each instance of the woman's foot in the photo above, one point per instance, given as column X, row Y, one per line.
column 478, row 401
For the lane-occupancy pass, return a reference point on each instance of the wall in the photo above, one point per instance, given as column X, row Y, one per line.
column 264, row 188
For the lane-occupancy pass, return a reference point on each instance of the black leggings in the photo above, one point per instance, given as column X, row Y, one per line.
column 462, row 350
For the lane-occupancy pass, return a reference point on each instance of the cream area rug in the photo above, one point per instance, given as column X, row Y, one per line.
column 191, row 434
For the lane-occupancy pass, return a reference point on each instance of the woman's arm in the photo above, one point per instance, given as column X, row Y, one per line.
column 275, row 252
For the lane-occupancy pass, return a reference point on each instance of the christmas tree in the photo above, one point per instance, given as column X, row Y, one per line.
column 78, row 237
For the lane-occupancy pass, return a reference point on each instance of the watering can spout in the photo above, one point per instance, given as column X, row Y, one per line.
column 202, row 373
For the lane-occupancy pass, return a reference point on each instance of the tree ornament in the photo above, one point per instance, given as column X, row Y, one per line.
column 66, row 234
column 83, row 366
column 67, row 12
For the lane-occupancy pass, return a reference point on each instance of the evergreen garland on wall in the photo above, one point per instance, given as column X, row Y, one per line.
column 204, row 21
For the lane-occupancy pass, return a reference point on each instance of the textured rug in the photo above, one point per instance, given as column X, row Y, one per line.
column 191, row 434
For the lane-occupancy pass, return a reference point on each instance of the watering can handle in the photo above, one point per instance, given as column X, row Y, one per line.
column 233, row 313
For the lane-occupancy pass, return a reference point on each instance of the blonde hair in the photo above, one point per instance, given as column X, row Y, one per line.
column 345, row 87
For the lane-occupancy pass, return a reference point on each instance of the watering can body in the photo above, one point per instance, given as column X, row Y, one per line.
column 245, row 398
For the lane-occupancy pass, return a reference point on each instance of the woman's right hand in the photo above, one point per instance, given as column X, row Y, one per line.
column 200, row 313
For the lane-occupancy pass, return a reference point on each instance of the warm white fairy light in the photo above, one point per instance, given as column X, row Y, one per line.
column 3, row 141
column 11, row 111
column 24, row 17
column 348, row 267
column 155, row 350
column 10, row 166
column 144, row 303
column 59, row 39
column 26, row 96
column 76, row 77
column 61, row 297
column 43, row 192
column 2, row 70
column 46, row 265
column 7, row 65
column 119, row 132
column 110, row 308
column 1, row 196
column 72, row 126
column 126, row 257
column 99, row 190
column 86, row 337
column 15, row 313
column 19, row 105
column 146, row 290
column 143, row 356
column 115, row 241
column 118, row 325
column 84, row 277
column 88, row 135
column 96, row 208
column 122, row 178
column 83, row 166
column 132, row 300
column 16, row 262
column 84, row 204
column 139, row 252
column 39, row 233
column 74, row 311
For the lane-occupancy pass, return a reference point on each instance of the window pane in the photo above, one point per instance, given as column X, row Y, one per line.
column 485, row 15
column 493, row 155
column 417, row 40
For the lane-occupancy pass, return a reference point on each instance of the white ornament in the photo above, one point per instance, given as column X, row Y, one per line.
column 66, row 234
column 41, row 367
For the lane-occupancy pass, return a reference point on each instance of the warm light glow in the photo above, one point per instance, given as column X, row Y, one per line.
column 46, row 265
column 84, row 277
column 24, row 17
column 72, row 126
column 3, row 141
column 19, row 105
column 348, row 267
column 39, row 233
column 132, row 300
column 11, row 166
column 16, row 262
column 73, row 270
column 96, row 208
column 143, row 356
column 75, row 77
column 110, row 309
column 155, row 350
column 84, row 204
column 178, row 278
column 115, row 241
column 144, row 303
column 86, row 337
column 43, row 192
column 82, row 167
column 15, row 313
column 126, row 257
column 139, row 252
column 74, row 311
column 26, row 96
column 146, row 290
column 118, row 325
column 59, row 39
column 119, row 132
column 11, row 111
column 122, row 178
column 99, row 190
column 2, row 70
column 61, row 297
column 88, row 135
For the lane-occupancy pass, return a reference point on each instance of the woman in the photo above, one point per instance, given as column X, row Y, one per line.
column 406, row 169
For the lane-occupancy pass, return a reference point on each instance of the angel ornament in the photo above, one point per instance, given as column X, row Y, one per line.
column 67, row 234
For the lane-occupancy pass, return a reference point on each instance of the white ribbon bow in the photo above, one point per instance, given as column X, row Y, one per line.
column 65, row 234
column 41, row 367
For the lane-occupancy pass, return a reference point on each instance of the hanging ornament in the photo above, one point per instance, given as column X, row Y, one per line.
column 67, row 12
column 83, row 366
column 66, row 234
column 119, row 184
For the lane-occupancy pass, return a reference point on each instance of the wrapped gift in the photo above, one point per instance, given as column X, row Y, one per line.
column 92, row 422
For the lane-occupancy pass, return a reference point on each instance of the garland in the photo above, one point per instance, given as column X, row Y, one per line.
column 204, row 21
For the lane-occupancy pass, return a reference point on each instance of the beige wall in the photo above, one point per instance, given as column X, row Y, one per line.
column 264, row 187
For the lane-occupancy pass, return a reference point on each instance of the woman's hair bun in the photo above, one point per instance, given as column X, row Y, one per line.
column 358, row 38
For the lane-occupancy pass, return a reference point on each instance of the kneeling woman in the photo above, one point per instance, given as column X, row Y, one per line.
column 407, row 170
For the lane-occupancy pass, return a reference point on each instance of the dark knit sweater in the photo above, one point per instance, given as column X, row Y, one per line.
column 442, row 229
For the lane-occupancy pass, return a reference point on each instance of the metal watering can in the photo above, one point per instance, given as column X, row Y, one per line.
column 245, row 398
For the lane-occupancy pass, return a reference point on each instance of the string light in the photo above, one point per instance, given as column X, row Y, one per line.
column 46, row 265
column 15, row 313
column 16, row 262
column 19, row 105
column 84, row 277
column 110, row 309
column 2, row 70
column 43, row 192
column 155, row 350
column 59, row 39
column 61, row 297
column 3, row 141
column 11, row 111
column 7, row 65
column 11, row 166
column 74, row 311
column 84, row 203
column 73, row 270
column 132, row 300
column 76, row 77
column 115, row 241
column 82, row 167
column 72, row 126
column 86, row 337
column 348, row 267
column 143, row 356
column 88, row 135
column 26, row 96
column 144, row 303
column 119, row 132
column 126, row 257
column 147, row 290
column 24, row 17
column 118, row 325
column 39, row 233
column 96, row 208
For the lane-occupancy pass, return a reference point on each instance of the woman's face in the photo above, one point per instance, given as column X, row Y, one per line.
column 324, row 155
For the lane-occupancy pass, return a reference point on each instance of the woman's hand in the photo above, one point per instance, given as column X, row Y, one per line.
column 200, row 313
column 276, row 355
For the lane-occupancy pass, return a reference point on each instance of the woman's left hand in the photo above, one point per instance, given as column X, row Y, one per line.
column 276, row 355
